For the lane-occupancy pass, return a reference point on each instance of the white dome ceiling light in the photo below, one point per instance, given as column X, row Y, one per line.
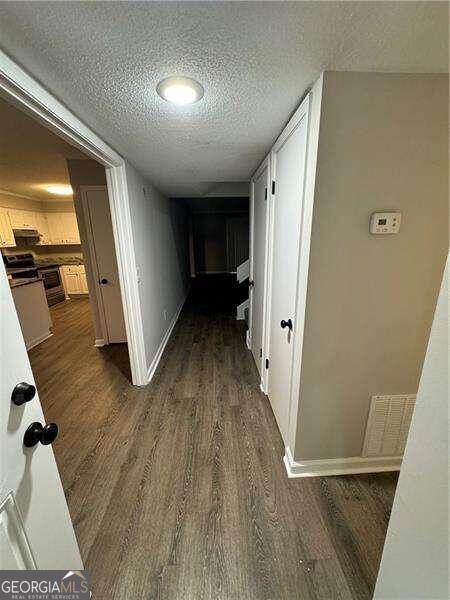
column 59, row 189
column 180, row 90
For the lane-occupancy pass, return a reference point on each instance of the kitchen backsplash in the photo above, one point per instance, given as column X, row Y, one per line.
column 67, row 255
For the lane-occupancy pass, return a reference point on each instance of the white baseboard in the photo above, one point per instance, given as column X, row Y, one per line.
column 39, row 340
column 340, row 466
column 155, row 362
column 99, row 342
column 261, row 387
column 248, row 340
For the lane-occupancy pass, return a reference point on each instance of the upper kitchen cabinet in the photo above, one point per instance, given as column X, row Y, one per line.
column 63, row 228
column 7, row 239
column 23, row 219
column 43, row 229
column 70, row 226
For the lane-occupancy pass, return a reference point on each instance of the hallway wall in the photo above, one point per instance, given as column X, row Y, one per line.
column 161, row 247
column 415, row 558
column 383, row 145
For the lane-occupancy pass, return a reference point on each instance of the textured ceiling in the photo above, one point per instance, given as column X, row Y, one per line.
column 31, row 155
column 254, row 59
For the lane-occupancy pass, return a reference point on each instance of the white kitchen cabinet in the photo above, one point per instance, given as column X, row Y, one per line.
column 83, row 280
column 22, row 219
column 7, row 239
column 63, row 228
column 32, row 309
column 74, row 279
column 70, row 228
column 43, row 229
column 55, row 228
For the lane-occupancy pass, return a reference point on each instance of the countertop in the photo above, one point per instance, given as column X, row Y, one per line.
column 23, row 281
column 61, row 261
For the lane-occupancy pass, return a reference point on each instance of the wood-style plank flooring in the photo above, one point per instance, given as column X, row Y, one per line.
column 178, row 490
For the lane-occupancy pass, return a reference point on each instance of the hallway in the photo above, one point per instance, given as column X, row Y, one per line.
column 178, row 491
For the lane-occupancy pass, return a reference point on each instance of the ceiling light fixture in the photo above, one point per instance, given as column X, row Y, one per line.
column 59, row 189
column 180, row 90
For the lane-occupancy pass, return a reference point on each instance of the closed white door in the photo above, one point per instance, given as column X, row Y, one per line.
column 96, row 205
column 259, row 209
column 35, row 527
column 288, row 169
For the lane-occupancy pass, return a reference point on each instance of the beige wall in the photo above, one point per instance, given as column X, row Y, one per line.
column 19, row 202
column 382, row 145
column 22, row 203
column 160, row 239
column 415, row 562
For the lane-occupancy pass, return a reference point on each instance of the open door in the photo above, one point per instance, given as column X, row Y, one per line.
column 35, row 527
column 102, row 250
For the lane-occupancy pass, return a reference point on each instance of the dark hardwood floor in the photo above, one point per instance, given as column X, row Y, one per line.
column 178, row 490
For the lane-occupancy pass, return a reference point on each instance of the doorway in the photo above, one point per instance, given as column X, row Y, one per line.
column 21, row 90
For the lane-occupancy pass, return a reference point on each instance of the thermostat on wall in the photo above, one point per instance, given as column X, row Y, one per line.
column 385, row 222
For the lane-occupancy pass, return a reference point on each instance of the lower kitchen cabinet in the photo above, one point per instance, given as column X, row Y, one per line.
column 74, row 279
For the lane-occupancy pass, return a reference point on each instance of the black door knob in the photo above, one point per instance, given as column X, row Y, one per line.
column 36, row 433
column 251, row 283
column 287, row 324
column 23, row 392
column 103, row 281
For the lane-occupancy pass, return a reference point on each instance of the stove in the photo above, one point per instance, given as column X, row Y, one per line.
column 24, row 265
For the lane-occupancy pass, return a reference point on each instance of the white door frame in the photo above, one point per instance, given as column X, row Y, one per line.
column 28, row 95
column 264, row 165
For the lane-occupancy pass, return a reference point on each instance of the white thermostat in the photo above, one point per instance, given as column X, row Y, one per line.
column 385, row 222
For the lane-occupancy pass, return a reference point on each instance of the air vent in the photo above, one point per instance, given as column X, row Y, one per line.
column 388, row 425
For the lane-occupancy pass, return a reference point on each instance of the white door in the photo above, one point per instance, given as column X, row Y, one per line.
column 35, row 527
column 97, row 211
column 288, row 170
column 258, row 267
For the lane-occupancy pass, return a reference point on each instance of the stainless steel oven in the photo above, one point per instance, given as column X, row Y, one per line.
column 23, row 265
column 54, row 289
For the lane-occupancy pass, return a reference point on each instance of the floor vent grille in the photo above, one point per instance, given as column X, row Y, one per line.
column 388, row 425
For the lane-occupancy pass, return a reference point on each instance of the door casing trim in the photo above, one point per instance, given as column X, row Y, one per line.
column 22, row 90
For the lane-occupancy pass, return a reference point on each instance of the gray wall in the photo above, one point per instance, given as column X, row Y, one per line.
column 382, row 145
column 161, row 248
column 416, row 553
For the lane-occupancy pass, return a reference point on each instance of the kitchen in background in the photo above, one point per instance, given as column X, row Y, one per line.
column 40, row 244
column 50, row 193
column 39, row 235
